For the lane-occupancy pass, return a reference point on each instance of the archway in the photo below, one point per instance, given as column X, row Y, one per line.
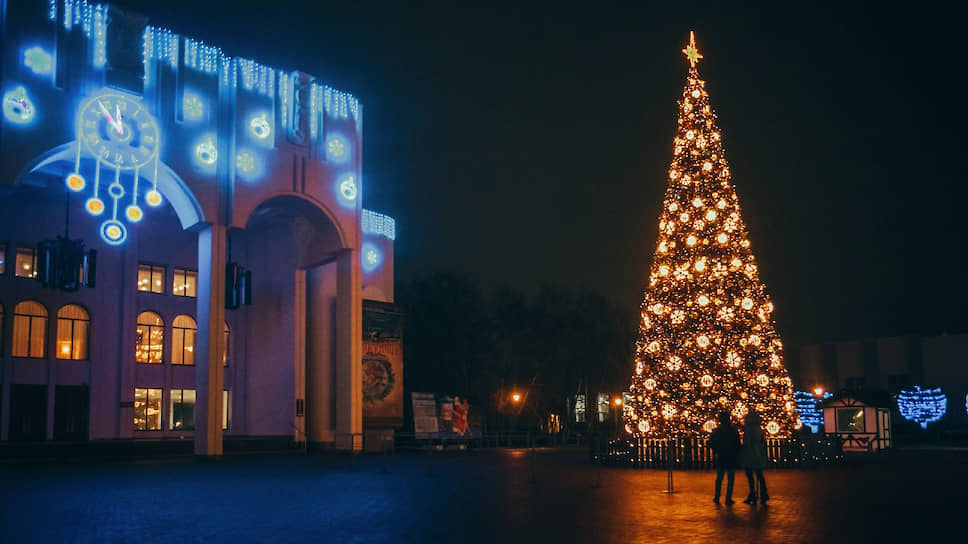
column 305, row 315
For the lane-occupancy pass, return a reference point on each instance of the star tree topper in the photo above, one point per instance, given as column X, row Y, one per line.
column 691, row 51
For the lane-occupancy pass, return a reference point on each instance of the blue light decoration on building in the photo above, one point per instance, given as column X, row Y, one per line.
column 372, row 257
column 192, row 107
column 259, row 126
column 347, row 190
column 922, row 406
column 206, row 154
column 808, row 405
column 38, row 60
column 337, row 148
column 17, row 107
column 377, row 223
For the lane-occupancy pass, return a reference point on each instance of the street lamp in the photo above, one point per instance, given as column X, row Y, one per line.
column 617, row 401
column 516, row 397
column 818, row 391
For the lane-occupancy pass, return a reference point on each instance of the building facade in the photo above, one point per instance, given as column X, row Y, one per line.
column 223, row 200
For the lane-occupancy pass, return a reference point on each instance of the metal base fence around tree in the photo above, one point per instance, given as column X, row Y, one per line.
column 694, row 453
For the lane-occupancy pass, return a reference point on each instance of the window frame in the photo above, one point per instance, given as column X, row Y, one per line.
column 30, row 330
column 152, row 270
column 161, row 408
column 73, row 340
column 33, row 261
column 161, row 357
column 181, row 401
column 853, row 410
column 176, row 332
column 184, row 273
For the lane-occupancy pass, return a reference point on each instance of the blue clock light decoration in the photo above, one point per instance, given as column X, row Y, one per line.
column 120, row 134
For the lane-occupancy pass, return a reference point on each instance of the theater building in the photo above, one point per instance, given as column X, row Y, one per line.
column 226, row 254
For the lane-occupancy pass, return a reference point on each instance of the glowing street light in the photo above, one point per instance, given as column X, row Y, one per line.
column 516, row 397
column 818, row 391
column 617, row 401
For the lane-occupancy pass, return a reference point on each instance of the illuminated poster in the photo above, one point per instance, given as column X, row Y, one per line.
column 382, row 366
column 424, row 414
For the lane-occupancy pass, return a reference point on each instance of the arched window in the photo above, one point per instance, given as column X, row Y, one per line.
column 183, row 340
column 149, row 338
column 225, row 334
column 29, row 330
column 73, row 324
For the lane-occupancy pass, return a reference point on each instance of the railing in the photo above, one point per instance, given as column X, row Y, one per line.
column 405, row 440
column 695, row 453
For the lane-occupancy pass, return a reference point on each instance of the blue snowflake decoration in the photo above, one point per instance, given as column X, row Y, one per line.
column 922, row 406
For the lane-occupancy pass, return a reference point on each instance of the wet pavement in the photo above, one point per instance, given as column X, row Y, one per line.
column 480, row 496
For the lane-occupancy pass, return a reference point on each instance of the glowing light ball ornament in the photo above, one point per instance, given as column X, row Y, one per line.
column 259, row 126
column 922, row 406
column 710, row 343
column 17, row 107
column 75, row 182
column 38, row 60
column 205, row 152
column 348, row 189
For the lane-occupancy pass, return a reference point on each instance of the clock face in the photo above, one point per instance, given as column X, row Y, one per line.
column 118, row 131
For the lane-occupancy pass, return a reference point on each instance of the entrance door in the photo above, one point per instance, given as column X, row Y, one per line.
column 71, row 405
column 28, row 413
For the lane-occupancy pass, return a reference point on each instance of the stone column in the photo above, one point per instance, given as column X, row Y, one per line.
column 349, row 352
column 209, row 341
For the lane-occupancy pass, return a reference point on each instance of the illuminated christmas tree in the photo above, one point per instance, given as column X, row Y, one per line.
column 707, row 340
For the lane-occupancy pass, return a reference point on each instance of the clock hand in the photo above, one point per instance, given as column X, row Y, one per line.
column 107, row 114
column 117, row 114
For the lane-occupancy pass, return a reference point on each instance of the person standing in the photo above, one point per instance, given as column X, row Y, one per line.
column 724, row 440
column 754, row 458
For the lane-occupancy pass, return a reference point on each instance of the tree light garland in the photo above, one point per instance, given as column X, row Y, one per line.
column 922, row 406
column 707, row 340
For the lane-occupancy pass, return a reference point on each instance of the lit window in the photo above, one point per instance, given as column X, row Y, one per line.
column 183, row 340
column 29, row 330
column 226, row 409
column 850, row 420
column 151, row 278
column 579, row 408
column 184, row 283
column 26, row 262
column 602, row 407
column 147, row 409
column 149, row 338
column 182, row 410
column 225, row 335
column 73, row 324
column 3, row 257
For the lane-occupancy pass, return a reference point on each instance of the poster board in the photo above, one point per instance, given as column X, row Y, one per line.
column 382, row 372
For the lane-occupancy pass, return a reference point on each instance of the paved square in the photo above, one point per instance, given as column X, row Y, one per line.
column 482, row 496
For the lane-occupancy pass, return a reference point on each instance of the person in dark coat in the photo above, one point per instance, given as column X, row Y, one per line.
column 753, row 457
column 724, row 440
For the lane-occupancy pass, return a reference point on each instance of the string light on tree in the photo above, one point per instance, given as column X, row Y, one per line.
column 922, row 406
column 707, row 339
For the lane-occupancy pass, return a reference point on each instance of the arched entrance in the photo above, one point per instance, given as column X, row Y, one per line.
column 304, row 323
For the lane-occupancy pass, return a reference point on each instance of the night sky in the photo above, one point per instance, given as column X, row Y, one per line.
column 526, row 145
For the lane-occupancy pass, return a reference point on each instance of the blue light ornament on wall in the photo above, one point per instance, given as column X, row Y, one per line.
column 347, row 190
column 372, row 257
column 17, row 106
column 808, row 405
column 337, row 148
column 922, row 406
column 38, row 60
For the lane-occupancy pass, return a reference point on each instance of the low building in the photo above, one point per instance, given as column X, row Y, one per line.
column 232, row 254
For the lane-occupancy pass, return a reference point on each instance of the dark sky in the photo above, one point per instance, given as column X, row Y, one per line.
column 529, row 144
